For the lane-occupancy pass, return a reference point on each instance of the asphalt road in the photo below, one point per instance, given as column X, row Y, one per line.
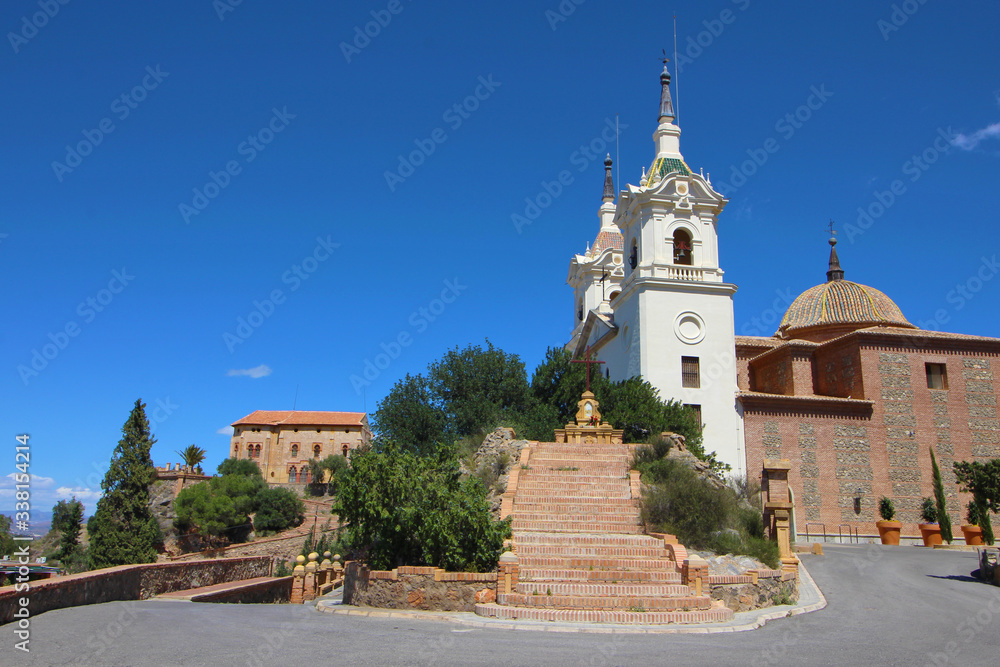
column 886, row 606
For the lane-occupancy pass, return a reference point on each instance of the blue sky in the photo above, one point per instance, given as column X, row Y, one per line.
column 169, row 167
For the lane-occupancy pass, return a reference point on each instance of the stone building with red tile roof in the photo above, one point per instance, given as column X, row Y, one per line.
column 283, row 441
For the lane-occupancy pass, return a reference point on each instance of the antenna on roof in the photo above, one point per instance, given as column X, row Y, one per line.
column 618, row 162
column 296, row 401
column 677, row 78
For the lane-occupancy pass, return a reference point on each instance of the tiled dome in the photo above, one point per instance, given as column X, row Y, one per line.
column 841, row 304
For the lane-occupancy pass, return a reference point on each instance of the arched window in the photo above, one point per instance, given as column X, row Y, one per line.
column 346, row 448
column 682, row 247
column 614, row 295
column 293, row 477
column 307, row 476
column 633, row 257
column 236, row 451
column 295, row 451
column 315, row 451
column 579, row 310
column 256, row 451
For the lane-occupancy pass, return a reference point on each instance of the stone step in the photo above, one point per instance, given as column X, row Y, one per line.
column 575, row 527
column 575, row 507
column 562, row 478
column 714, row 615
column 567, row 551
column 586, row 538
column 606, row 602
column 580, row 588
column 552, row 487
column 618, row 518
column 663, row 576
column 583, row 496
column 597, row 563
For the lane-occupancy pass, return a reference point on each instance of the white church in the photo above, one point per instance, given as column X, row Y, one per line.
column 650, row 295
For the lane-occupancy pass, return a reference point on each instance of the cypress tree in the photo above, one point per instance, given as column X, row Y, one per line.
column 943, row 519
column 123, row 528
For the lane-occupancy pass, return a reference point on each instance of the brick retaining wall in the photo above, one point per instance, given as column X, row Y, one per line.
column 428, row 588
column 128, row 582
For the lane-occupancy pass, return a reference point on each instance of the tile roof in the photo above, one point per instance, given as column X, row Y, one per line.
column 840, row 302
column 607, row 239
column 301, row 418
column 669, row 165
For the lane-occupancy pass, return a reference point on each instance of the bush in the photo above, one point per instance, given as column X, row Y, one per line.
column 703, row 516
column 404, row 509
column 278, row 509
column 886, row 508
column 928, row 510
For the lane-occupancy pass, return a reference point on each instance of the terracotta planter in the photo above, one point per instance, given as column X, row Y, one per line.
column 931, row 532
column 889, row 531
column 973, row 534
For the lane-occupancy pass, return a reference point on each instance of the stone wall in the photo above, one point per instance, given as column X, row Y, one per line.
column 748, row 592
column 129, row 582
column 427, row 588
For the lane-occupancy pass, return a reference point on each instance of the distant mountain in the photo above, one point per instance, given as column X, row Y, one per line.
column 41, row 522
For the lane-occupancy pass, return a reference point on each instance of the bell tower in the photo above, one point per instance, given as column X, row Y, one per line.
column 672, row 320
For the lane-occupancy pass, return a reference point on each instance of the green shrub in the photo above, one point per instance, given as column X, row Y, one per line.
column 278, row 509
column 928, row 510
column 886, row 508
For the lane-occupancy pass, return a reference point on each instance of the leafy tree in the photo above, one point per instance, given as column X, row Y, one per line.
column 234, row 466
column 411, row 414
column 124, row 530
column 944, row 521
column 982, row 480
column 278, row 509
column 404, row 509
column 221, row 506
column 479, row 388
column 337, row 466
column 192, row 456
column 317, row 477
column 67, row 518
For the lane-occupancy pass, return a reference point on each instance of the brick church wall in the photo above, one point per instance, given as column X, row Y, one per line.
column 840, row 454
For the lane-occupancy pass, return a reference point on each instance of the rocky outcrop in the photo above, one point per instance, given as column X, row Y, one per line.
column 492, row 463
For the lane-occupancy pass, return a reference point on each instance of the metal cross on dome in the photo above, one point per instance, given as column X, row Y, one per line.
column 587, row 360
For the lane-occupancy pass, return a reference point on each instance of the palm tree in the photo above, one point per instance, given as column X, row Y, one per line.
column 192, row 455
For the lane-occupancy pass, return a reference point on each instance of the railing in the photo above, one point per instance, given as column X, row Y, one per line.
column 816, row 524
column 852, row 537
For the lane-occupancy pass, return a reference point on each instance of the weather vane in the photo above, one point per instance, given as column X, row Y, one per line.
column 665, row 59
column 832, row 231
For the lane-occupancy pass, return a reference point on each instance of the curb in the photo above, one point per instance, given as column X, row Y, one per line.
column 761, row 617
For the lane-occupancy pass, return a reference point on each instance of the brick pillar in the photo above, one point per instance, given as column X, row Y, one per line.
column 507, row 579
column 778, row 510
column 694, row 573
column 298, row 581
column 309, row 587
column 325, row 573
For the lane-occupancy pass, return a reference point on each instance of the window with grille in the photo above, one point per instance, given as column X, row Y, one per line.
column 690, row 374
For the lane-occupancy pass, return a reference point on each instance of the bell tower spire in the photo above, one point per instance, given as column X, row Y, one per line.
column 609, row 184
column 666, row 103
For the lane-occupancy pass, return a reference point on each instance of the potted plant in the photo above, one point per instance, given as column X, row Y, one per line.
column 971, row 530
column 888, row 530
column 930, row 530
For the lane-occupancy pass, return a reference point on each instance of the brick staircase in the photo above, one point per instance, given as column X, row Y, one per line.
column 581, row 549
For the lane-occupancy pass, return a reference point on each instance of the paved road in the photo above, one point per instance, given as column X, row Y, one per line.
column 887, row 606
